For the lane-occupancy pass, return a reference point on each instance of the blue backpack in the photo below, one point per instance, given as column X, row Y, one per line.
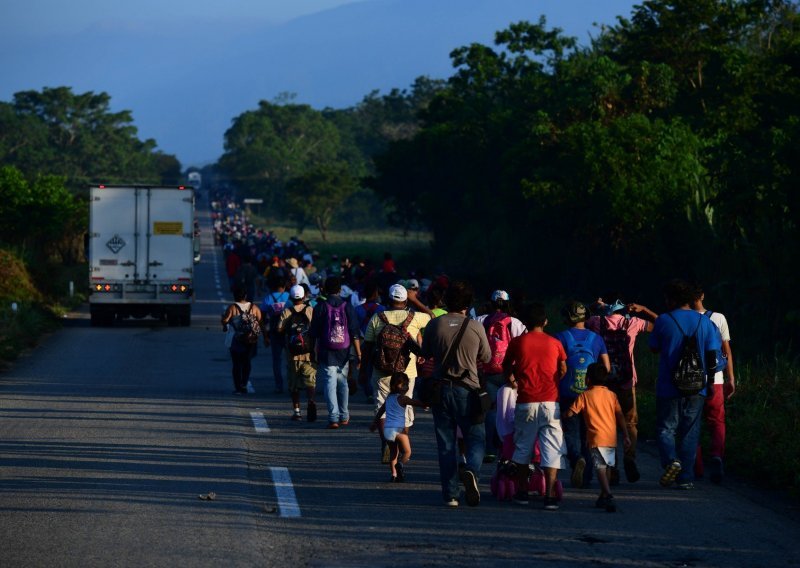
column 579, row 357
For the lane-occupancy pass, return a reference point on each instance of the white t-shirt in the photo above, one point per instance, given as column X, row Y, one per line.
column 516, row 328
column 722, row 325
column 506, row 403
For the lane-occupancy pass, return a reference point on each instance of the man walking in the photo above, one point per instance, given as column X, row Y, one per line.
column 457, row 344
column 678, row 412
column 334, row 328
column 411, row 323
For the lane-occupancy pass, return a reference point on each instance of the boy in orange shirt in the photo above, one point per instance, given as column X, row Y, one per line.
column 603, row 415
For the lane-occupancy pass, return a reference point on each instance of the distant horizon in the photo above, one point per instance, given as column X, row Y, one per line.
column 185, row 84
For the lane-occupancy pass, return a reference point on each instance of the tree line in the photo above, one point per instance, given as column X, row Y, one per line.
column 668, row 146
column 53, row 144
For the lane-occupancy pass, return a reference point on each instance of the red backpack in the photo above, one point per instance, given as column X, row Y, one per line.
column 498, row 332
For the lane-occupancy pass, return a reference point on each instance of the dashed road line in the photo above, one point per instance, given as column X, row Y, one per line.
column 259, row 422
column 284, row 491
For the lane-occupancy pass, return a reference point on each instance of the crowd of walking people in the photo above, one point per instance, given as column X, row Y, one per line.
column 501, row 390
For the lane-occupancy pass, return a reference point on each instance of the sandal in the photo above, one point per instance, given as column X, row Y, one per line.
column 670, row 473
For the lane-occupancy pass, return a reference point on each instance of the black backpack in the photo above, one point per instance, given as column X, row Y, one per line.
column 246, row 328
column 298, row 340
column 689, row 375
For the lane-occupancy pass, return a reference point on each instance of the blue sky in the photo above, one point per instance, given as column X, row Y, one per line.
column 186, row 68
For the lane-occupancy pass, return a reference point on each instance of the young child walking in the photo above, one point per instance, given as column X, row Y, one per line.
column 603, row 415
column 395, row 431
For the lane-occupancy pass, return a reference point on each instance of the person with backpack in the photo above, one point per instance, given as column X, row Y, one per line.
column 500, row 328
column 272, row 306
column 721, row 391
column 583, row 347
column 301, row 372
column 334, row 327
column 391, row 345
column 686, row 342
column 243, row 323
column 619, row 324
column 457, row 344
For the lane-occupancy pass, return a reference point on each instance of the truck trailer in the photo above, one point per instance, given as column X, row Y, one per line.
column 141, row 253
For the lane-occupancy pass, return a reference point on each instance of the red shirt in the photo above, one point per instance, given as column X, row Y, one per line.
column 533, row 359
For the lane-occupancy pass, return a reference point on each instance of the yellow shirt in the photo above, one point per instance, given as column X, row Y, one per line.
column 397, row 317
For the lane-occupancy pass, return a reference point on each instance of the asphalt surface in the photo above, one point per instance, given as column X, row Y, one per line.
column 109, row 437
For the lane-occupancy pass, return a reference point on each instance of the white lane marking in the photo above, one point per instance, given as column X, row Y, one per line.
column 284, row 490
column 259, row 422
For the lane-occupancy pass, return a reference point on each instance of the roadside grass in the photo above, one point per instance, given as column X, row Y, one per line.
column 410, row 251
column 33, row 302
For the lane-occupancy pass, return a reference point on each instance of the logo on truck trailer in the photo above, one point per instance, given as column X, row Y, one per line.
column 115, row 244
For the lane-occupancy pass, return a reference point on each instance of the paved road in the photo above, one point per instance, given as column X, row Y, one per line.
column 109, row 436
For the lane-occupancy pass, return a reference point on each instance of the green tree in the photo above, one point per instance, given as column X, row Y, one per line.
column 316, row 196
column 266, row 148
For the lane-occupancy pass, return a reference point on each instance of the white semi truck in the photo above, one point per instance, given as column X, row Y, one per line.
column 141, row 253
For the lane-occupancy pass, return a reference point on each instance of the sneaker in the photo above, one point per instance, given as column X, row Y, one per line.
column 601, row 502
column 521, row 497
column 489, row 458
column 717, row 471
column 670, row 473
column 470, row 487
column 311, row 411
column 451, row 503
column 631, row 470
column 344, row 422
column 684, row 485
column 613, row 476
column 550, row 504
column 296, row 415
column 401, row 471
column 611, row 505
column 333, row 425
column 577, row 473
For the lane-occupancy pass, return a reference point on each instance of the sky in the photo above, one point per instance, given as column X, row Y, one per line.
column 187, row 68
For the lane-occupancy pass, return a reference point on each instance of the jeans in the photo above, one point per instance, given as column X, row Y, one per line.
column 276, row 343
column 333, row 382
column 678, row 428
column 454, row 411
column 575, row 437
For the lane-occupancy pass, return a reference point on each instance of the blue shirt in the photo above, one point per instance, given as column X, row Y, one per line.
column 364, row 316
column 668, row 340
column 273, row 305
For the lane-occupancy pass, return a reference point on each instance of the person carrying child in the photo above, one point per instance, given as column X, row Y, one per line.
column 602, row 415
column 395, row 431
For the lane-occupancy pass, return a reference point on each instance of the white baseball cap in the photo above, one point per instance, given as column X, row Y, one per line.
column 297, row 292
column 398, row 293
column 499, row 295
